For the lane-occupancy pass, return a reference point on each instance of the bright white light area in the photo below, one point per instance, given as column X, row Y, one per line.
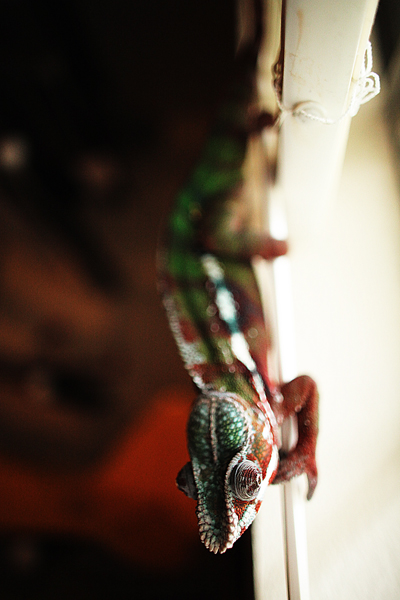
column 346, row 292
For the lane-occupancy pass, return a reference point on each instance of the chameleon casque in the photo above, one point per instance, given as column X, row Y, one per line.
column 215, row 313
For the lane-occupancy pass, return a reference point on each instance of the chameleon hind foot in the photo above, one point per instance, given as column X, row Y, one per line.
column 243, row 246
column 270, row 248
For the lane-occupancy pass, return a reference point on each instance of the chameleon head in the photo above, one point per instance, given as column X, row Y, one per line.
column 234, row 457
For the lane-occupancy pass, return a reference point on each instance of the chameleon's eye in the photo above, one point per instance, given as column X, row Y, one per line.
column 185, row 481
column 245, row 480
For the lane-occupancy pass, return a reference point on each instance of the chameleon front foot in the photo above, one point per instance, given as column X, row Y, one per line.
column 294, row 464
column 300, row 397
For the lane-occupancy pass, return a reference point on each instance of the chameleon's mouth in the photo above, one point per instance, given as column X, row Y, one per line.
column 217, row 535
column 218, row 541
column 215, row 546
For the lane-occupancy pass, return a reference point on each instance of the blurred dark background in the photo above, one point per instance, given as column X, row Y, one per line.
column 103, row 110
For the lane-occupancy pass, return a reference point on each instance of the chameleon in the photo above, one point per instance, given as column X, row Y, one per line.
column 214, row 309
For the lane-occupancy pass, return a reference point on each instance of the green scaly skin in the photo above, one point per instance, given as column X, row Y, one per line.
column 215, row 313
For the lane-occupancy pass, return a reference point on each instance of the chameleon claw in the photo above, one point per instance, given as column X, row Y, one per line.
column 312, row 484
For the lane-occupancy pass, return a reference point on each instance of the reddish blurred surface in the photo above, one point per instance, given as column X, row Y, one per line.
column 129, row 502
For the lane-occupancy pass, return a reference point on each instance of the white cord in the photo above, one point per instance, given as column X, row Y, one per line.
column 367, row 87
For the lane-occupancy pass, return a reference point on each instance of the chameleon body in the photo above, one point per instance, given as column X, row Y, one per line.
column 215, row 313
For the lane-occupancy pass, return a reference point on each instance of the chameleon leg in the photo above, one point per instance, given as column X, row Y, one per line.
column 300, row 397
column 245, row 245
column 265, row 246
column 225, row 231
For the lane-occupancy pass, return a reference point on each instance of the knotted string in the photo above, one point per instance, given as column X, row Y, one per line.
column 367, row 87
